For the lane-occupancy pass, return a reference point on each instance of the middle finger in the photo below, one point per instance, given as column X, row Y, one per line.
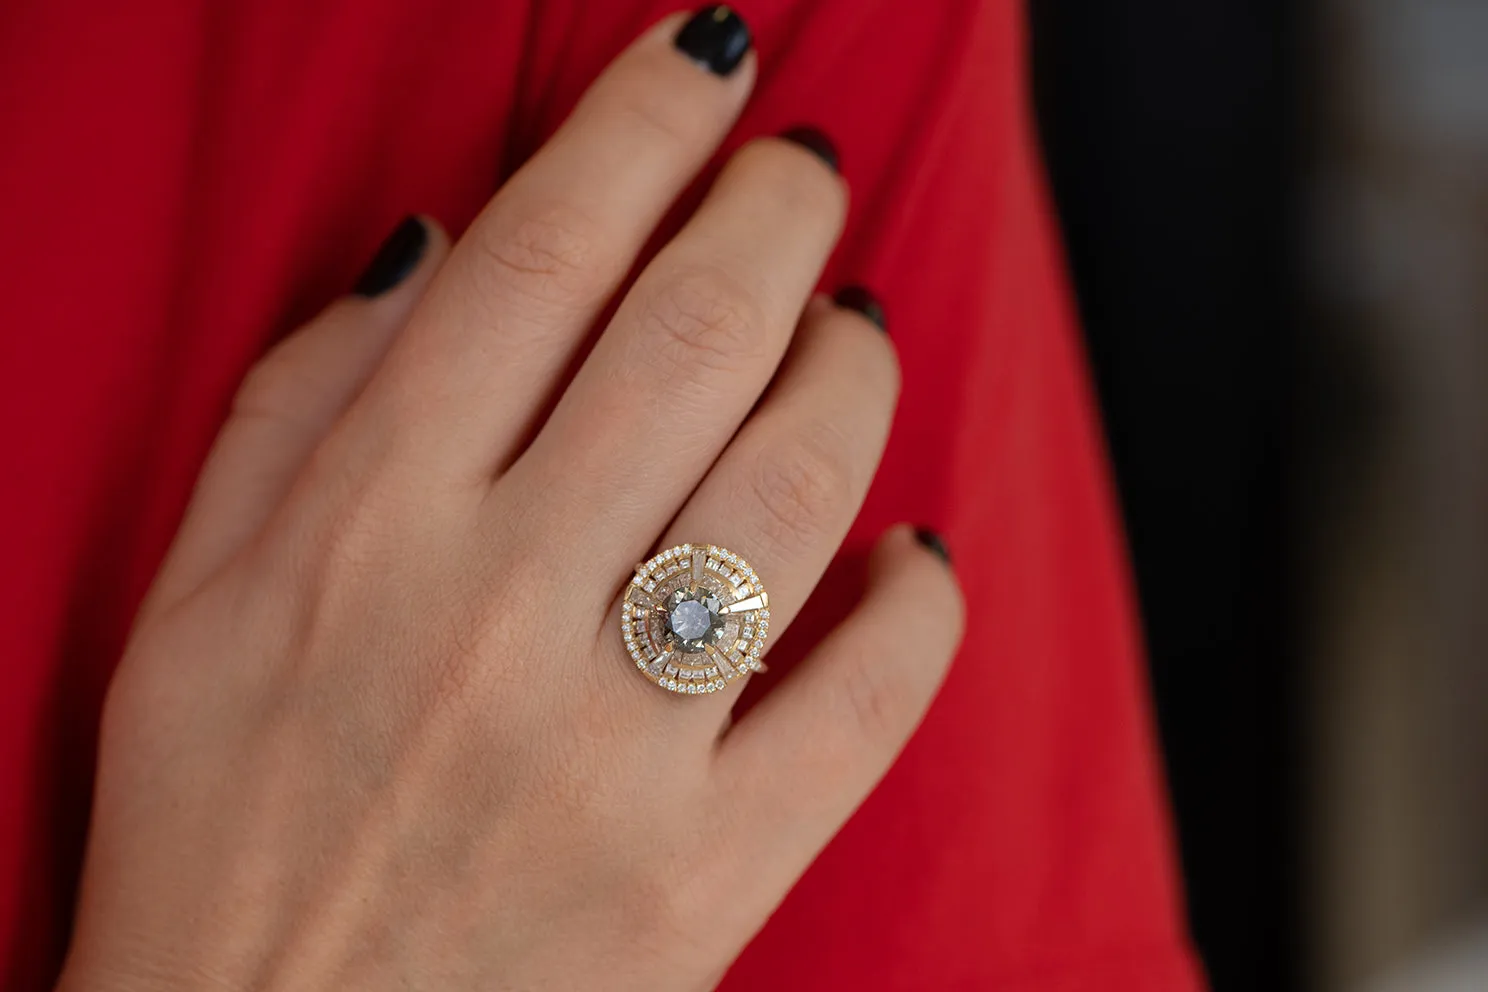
column 689, row 351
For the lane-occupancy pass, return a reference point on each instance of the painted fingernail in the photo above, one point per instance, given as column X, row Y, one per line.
column 859, row 299
column 934, row 542
column 815, row 142
column 715, row 38
column 399, row 255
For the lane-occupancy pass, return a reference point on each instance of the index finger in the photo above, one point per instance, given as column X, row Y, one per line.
column 506, row 314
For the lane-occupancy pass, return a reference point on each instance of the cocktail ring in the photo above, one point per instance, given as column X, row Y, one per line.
column 695, row 618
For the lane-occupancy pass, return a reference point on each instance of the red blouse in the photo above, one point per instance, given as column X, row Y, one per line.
column 183, row 180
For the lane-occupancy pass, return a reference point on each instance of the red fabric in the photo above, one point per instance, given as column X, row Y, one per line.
column 183, row 180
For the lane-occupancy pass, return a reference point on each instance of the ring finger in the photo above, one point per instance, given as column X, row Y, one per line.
column 791, row 483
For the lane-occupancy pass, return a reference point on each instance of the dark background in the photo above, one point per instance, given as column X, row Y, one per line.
column 1168, row 130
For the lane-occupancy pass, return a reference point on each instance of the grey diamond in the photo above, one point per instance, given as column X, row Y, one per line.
column 690, row 619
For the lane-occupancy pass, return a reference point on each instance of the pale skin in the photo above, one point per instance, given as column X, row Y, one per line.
column 375, row 727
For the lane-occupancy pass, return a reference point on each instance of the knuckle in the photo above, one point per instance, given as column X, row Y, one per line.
column 651, row 98
column 880, row 701
column 550, row 254
column 663, row 116
column 348, row 546
column 806, row 488
column 704, row 318
column 463, row 676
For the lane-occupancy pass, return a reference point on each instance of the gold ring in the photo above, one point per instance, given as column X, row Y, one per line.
column 695, row 618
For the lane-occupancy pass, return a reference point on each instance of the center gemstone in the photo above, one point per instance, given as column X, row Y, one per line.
column 691, row 619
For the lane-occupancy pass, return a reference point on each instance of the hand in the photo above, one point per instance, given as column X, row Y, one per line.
column 376, row 728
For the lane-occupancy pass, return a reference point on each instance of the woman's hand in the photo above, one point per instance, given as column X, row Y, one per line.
column 376, row 727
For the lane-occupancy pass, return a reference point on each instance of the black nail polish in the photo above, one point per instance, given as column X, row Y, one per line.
column 399, row 255
column 859, row 299
column 934, row 542
column 715, row 38
column 815, row 142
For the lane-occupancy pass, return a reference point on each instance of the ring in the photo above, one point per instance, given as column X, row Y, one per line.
column 695, row 618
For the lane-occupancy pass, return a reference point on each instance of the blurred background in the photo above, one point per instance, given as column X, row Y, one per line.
column 1277, row 220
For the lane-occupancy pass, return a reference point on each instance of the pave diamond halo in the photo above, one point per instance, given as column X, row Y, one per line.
column 695, row 618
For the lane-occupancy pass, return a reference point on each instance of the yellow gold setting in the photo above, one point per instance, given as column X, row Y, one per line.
column 695, row 618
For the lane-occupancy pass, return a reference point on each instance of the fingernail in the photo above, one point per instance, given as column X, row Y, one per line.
column 859, row 299
column 815, row 142
column 398, row 256
column 715, row 38
column 934, row 542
